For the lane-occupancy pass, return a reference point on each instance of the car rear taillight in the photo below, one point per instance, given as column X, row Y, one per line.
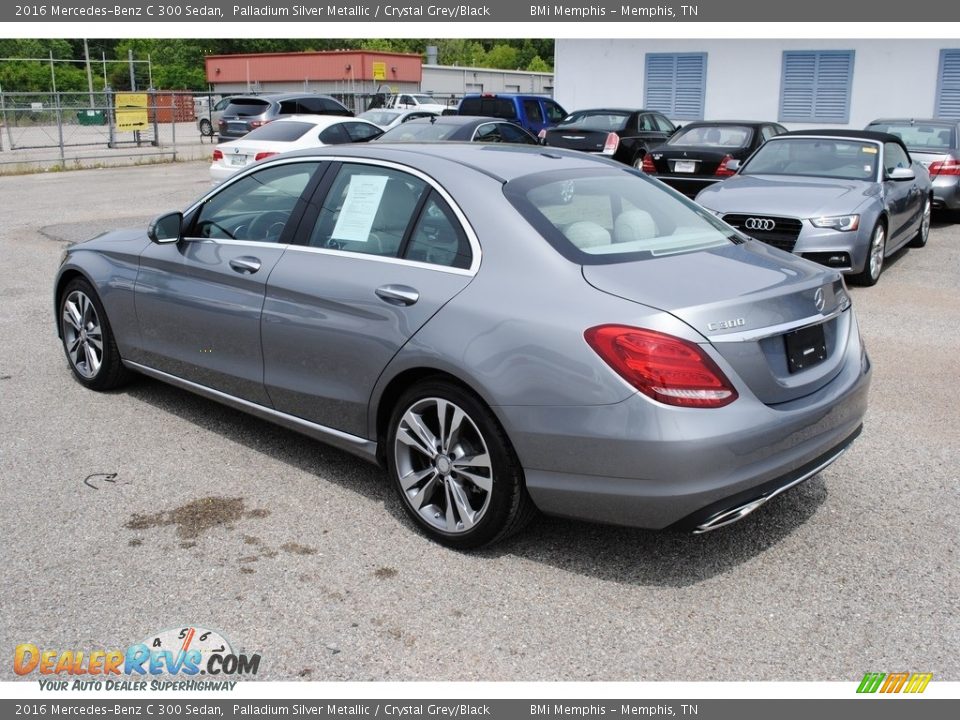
column 663, row 367
column 648, row 166
column 217, row 155
column 263, row 155
column 542, row 134
column 950, row 166
column 611, row 144
column 257, row 123
column 722, row 169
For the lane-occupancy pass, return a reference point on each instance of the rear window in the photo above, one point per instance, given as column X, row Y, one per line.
column 602, row 120
column 923, row 138
column 596, row 217
column 488, row 107
column 720, row 136
column 280, row 131
column 246, row 107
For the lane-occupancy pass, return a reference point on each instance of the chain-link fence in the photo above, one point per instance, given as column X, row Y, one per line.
column 83, row 129
column 65, row 130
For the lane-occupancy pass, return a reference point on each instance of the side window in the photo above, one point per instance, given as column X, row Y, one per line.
column 555, row 113
column 334, row 135
column 361, row 132
column 330, row 107
column 367, row 210
column 290, row 107
column 646, row 123
column 531, row 108
column 438, row 237
column 489, row 133
column 222, row 105
column 256, row 207
column 894, row 157
column 663, row 125
column 767, row 132
column 513, row 134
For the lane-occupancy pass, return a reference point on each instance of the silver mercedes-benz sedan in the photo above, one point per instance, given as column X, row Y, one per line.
column 503, row 328
column 845, row 198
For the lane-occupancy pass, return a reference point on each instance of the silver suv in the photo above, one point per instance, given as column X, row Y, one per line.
column 246, row 112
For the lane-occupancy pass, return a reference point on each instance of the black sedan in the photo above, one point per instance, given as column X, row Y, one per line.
column 698, row 155
column 625, row 135
column 459, row 128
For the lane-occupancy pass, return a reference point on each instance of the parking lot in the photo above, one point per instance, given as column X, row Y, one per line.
column 133, row 512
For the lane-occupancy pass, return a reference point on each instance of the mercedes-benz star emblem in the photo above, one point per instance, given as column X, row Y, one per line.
column 818, row 300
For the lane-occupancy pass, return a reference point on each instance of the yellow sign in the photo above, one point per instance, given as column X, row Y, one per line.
column 131, row 110
column 379, row 71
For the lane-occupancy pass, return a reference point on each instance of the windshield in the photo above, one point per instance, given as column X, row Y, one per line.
column 603, row 120
column 595, row 216
column 416, row 131
column 925, row 137
column 719, row 136
column 424, row 99
column 815, row 157
column 379, row 117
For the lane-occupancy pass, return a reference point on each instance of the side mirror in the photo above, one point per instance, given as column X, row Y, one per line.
column 677, row 129
column 166, row 228
column 902, row 174
column 733, row 165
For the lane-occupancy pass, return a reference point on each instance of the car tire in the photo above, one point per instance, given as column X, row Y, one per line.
column 206, row 129
column 88, row 340
column 876, row 253
column 923, row 234
column 454, row 468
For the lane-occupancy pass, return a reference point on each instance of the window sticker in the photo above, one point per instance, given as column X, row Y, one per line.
column 360, row 208
column 869, row 150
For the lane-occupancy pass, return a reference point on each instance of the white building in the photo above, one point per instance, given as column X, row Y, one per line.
column 800, row 83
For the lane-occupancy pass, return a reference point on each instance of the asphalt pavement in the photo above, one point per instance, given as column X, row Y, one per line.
column 137, row 511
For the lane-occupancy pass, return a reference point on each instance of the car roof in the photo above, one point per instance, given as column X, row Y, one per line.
column 318, row 120
column 723, row 123
column 611, row 109
column 501, row 161
column 458, row 120
column 917, row 121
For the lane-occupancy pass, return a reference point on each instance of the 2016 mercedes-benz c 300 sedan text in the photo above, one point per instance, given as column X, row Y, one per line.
column 504, row 329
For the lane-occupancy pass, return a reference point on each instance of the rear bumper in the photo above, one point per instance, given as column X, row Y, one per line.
column 946, row 193
column 633, row 465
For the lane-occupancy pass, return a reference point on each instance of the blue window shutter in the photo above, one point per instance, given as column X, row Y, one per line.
column 675, row 84
column 948, row 85
column 815, row 86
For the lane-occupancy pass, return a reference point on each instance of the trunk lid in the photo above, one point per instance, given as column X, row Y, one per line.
column 577, row 139
column 748, row 300
column 684, row 161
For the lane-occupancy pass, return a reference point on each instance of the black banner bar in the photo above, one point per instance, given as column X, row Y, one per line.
column 447, row 11
column 873, row 708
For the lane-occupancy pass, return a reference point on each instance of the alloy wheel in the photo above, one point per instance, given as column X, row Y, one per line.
column 82, row 334
column 443, row 465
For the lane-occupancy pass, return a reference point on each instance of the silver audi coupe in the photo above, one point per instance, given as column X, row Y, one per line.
column 502, row 328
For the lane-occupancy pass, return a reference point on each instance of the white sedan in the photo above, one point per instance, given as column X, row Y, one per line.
column 293, row 132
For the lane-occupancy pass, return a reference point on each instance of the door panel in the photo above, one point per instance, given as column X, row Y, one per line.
column 328, row 334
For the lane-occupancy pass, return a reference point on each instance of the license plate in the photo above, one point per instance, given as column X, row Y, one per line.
column 238, row 159
column 805, row 347
column 685, row 166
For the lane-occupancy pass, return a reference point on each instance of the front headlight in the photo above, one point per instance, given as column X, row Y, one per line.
column 838, row 222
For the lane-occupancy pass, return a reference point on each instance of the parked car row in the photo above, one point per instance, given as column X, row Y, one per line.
column 502, row 331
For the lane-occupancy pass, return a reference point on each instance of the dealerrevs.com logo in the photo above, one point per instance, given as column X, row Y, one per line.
column 910, row 683
column 187, row 652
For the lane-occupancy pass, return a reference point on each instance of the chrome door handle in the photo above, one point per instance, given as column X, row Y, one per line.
column 245, row 265
column 398, row 294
